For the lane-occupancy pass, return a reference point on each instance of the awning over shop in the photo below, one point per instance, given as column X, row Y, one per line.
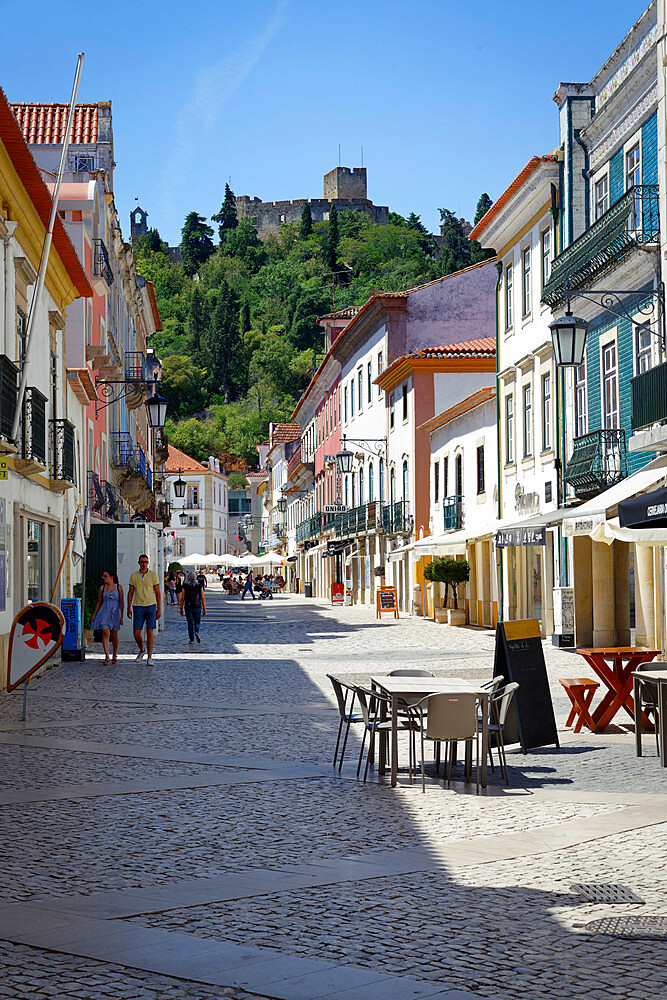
column 646, row 511
column 589, row 518
column 396, row 554
column 452, row 543
column 611, row 531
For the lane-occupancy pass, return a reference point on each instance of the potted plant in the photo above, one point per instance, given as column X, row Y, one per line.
column 456, row 571
column 435, row 573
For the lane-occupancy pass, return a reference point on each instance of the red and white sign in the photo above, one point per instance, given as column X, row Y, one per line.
column 36, row 633
column 337, row 593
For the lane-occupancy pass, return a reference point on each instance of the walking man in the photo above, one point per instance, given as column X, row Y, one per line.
column 248, row 587
column 145, row 592
column 193, row 602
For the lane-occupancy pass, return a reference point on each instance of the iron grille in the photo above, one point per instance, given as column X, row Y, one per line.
column 111, row 501
column 453, row 512
column 123, row 449
column 629, row 926
column 63, row 450
column 630, row 222
column 135, row 366
column 599, row 459
column 96, row 497
column 395, row 518
column 8, row 393
column 649, row 397
column 34, row 426
column 606, row 892
column 101, row 265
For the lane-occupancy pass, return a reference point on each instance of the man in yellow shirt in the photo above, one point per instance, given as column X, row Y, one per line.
column 147, row 596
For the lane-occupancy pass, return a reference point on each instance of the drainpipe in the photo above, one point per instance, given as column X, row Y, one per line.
column 34, row 305
column 501, row 587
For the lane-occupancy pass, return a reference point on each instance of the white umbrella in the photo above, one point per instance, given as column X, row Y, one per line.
column 213, row 559
column 195, row 559
column 270, row 559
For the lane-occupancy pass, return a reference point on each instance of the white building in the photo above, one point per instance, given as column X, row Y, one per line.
column 198, row 519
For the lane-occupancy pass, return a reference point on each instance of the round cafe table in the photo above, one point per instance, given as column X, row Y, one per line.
column 614, row 666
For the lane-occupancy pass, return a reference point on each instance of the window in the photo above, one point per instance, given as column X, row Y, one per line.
column 360, row 387
column 345, row 404
column 525, row 273
column 380, row 370
column 20, row 334
column 193, row 520
column 601, row 196
column 179, row 546
column 391, row 412
column 381, row 478
column 633, row 178
column 508, row 296
column 509, row 429
column 643, row 346
column 354, row 490
column 546, row 255
column 338, row 405
column 392, row 485
column 445, row 476
column 35, row 560
column 480, row 470
column 404, row 390
column 546, row 412
column 371, row 495
column 580, row 400
column 361, row 486
column 369, row 379
column 406, row 484
column 351, row 399
column 527, row 421
column 436, row 481
column 193, row 496
column 609, row 386
column 458, row 475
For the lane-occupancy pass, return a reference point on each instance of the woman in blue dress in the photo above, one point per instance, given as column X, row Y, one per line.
column 108, row 614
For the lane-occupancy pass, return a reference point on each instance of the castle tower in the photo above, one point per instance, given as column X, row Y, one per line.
column 346, row 182
column 138, row 224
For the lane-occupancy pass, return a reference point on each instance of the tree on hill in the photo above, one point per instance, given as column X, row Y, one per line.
column 306, row 224
column 454, row 247
column 483, row 206
column 332, row 237
column 197, row 322
column 196, row 243
column 244, row 318
column 244, row 244
column 151, row 240
column 226, row 217
column 183, row 385
column 222, row 352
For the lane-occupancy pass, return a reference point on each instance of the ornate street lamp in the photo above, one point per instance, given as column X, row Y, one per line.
column 282, row 505
column 180, row 486
column 156, row 407
column 344, row 460
column 183, row 517
column 568, row 335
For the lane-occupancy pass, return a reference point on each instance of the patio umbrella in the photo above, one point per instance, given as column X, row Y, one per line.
column 195, row 559
column 213, row 559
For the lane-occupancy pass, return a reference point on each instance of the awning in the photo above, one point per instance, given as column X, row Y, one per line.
column 595, row 510
column 611, row 531
column 452, row 543
column 398, row 553
column 646, row 511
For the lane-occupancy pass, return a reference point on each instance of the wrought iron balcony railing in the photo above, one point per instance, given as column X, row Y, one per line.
column 33, row 441
column 96, row 494
column 135, row 366
column 112, row 500
column 649, row 397
column 310, row 528
column 123, row 449
column 630, row 222
column 101, row 265
column 453, row 511
column 396, row 518
column 62, row 456
column 598, row 460
column 8, row 393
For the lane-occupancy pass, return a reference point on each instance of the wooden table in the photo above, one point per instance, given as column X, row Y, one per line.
column 615, row 665
column 658, row 677
column 419, row 687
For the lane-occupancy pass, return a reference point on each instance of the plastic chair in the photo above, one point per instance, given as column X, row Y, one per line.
column 417, row 672
column 344, row 692
column 499, row 704
column 493, row 684
column 448, row 718
column 648, row 693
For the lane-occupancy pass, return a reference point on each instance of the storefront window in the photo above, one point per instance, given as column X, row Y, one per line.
column 534, row 567
column 35, row 561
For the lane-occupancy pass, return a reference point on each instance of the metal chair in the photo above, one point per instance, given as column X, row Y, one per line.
column 417, row 672
column 499, row 704
column 447, row 718
column 370, row 705
column 648, row 692
column 344, row 692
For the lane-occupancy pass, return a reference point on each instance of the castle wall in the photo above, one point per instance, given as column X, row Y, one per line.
column 346, row 182
column 269, row 216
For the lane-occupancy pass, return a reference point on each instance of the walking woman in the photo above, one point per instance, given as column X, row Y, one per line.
column 193, row 602
column 108, row 614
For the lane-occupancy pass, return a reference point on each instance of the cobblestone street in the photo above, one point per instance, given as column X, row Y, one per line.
column 179, row 832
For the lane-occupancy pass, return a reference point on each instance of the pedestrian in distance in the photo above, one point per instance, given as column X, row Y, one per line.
column 145, row 593
column 108, row 613
column 171, row 588
column 192, row 601
column 248, row 587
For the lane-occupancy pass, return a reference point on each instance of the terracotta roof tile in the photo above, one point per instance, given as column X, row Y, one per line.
column 518, row 182
column 348, row 313
column 283, row 433
column 485, row 347
column 482, row 395
column 179, row 460
column 45, row 123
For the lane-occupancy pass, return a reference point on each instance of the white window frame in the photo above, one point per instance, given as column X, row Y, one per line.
column 601, row 196
column 509, row 290
column 509, row 428
column 547, row 403
column 527, row 419
column 545, row 255
column 525, row 281
column 609, row 383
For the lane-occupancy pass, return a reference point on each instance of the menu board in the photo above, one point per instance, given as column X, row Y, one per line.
column 520, row 657
column 386, row 602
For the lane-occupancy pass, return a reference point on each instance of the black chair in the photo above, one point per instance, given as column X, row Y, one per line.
column 648, row 697
column 345, row 695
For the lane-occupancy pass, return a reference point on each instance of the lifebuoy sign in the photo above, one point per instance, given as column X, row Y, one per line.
column 36, row 633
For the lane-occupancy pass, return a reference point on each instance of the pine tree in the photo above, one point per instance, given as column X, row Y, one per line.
column 332, row 238
column 227, row 214
column 454, row 247
column 245, row 317
column 306, row 225
column 197, row 323
column 222, row 351
column 483, row 206
column 196, row 244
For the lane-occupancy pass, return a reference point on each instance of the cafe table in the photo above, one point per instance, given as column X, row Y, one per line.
column 398, row 688
column 614, row 665
column 658, row 677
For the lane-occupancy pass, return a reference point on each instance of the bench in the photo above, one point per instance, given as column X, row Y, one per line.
column 580, row 691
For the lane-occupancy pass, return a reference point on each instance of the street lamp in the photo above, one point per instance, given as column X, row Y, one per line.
column 183, row 517
column 568, row 335
column 156, row 407
column 180, row 486
column 344, row 460
column 282, row 505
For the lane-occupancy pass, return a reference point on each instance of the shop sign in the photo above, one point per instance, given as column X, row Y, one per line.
column 526, row 503
column 335, row 548
column 335, row 508
column 564, row 616
column 4, row 467
column 310, row 544
column 337, row 593
column 581, row 525
column 520, row 536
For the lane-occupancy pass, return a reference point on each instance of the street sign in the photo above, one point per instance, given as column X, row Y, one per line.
column 519, row 657
column 36, row 633
column 335, row 508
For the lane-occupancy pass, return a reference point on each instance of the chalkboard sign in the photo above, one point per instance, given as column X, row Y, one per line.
column 519, row 657
column 386, row 602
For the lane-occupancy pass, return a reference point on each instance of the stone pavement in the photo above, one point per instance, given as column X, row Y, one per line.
column 179, row 832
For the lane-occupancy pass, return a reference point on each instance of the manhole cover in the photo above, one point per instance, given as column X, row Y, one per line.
column 632, row 927
column 606, row 892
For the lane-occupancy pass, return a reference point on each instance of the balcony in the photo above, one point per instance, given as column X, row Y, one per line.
column 62, row 455
column 133, row 477
column 102, row 273
column 631, row 222
column 96, row 494
column 113, row 504
column 396, row 518
column 453, row 512
column 309, row 528
column 598, row 460
column 163, row 512
column 8, row 393
column 32, row 452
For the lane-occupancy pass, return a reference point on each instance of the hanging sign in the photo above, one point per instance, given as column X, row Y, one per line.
column 335, row 508
column 36, row 633
column 337, row 593
column 520, row 536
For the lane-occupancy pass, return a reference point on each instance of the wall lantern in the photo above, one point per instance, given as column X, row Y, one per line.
column 179, row 486
column 568, row 335
column 156, row 407
column 344, row 460
column 282, row 505
column 183, row 517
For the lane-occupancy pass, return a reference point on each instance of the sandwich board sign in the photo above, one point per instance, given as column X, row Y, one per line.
column 36, row 633
column 519, row 657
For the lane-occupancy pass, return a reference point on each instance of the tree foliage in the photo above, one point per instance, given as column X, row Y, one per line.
column 196, row 243
column 226, row 217
column 483, row 206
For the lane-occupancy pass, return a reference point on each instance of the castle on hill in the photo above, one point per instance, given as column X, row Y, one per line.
column 344, row 187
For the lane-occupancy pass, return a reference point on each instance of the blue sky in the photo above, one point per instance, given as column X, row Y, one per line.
column 448, row 99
